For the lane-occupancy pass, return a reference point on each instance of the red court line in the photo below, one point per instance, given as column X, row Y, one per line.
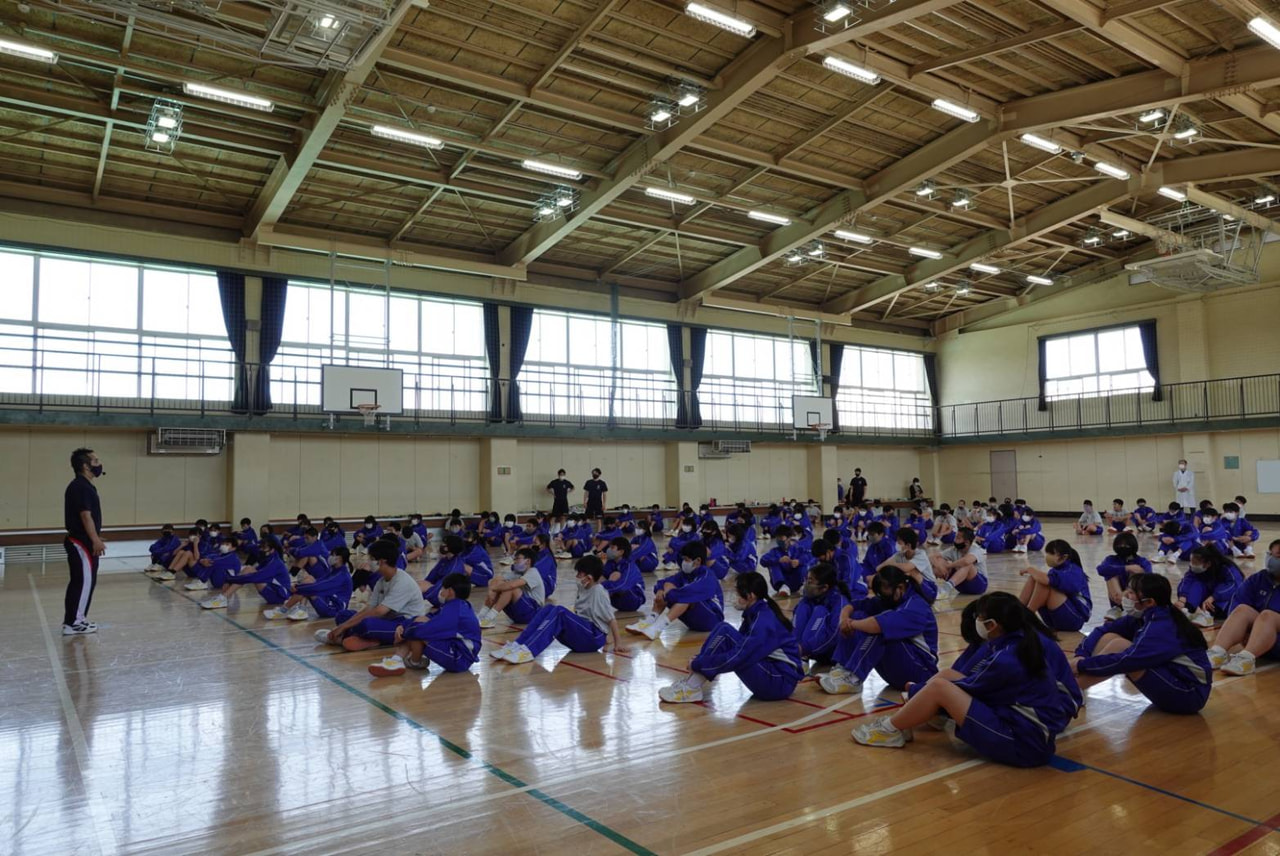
column 848, row 716
column 594, row 671
column 703, row 704
column 1240, row 842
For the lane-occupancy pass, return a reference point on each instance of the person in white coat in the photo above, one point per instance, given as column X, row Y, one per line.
column 1184, row 486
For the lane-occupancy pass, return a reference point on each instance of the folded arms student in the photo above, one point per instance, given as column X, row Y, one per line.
column 449, row 635
column 395, row 601
column 582, row 630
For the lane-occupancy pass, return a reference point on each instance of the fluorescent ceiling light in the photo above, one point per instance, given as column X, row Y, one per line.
column 837, row 12
column 27, row 51
column 962, row 289
column 1092, row 240
column 983, row 268
column 669, row 195
column 1228, row 218
column 931, row 287
column 1039, row 280
column 546, row 210
column 564, row 201
column 926, row 189
column 1120, row 233
column 551, row 169
column 403, row 136
column 1108, row 169
column 817, row 251
column 856, row 237
column 849, row 69
column 961, row 201
column 1170, row 193
column 1153, row 116
column 1266, row 30
column 228, row 96
column 689, row 99
column 329, row 22
column 661, row 114
column 159, row 137
column 723, row 20
column 1265, row 199
column 1041, row 143
column 1186, row 133
column 167, row 122
column 957, row 110
column 925, row 252
column 769, row 218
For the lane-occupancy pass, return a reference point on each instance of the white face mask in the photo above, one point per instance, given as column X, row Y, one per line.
column 1130, row 606
column 990, row 519
column 521, row 566
column 686, row 529
column 224, row 548
column 1229, row 515
column 687, row 566
column 1209, row 520
column 980, row 627
column 1026, row 518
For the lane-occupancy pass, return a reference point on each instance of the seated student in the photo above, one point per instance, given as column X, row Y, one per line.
column 1154, row 646
column 977, row 514
column 622, row 580
column 683, row 534
column 1144, row 517
column 491, row 530
column 888, row 518
column 913, row 561
column 1060, row 595
column 963, row 564
column 326, row 587
column 608, row 531
column 213, row 568
column 370, row 531
column 1253, row 622
column 392, row 536
column 656, row 523
column 787, row 562
column 582, row 630
column 511, row 528
column 1016, row 697
column 302, row 524
column 247, row 537
column 1197, row 519
column 414, row 524
column 186, row 555
column 717, row 552
column 862, row 518
column 741, row 549
column 741, row 516
column 1212, row 532
column 395, row 601
column 691, row 595
column 1117, row 518
column 1242, row 533
column 415, row 549
column 920, row 524
column 332, row 537
column 990, row 534
column 270, row 577
column 1174, row 512
column 839, row 519
column 1206, row 590
column 1090, row 523
column 163, row 549
column 518, row 592
column 845, row 548
column 310, row 553
column 452, row 560
column 1242, row 502
column 477, row 566
column 576, row 537
column 944, row 526
column 545, row 563
column 1116, row 569
column 893, row 632
column 825, row 552
column 880, row 547
column 1174, row 539
column 644, row 553
column 704, row 514
column 771, row 520
column 817, row 617
column 801, row 529
column 762, row 651
column 1026, row 533
column 448, row 635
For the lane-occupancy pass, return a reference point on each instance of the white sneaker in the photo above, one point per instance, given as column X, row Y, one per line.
column 839, row 671
column 322, row 636
column 655, row 628
column 501, row 653
column 275, row 612
column 946, row 590
column 1217, row 656
column 640, row 626
column 1174, row 557
column 680, row 692
column 1113, row 613
column 518, row 654
column 1200, row 618
column 487, row 619
column 80, row 628
column 563, row 555
column 298, row 613
column 197, row 585
column 1242, row 663
column 783, row 591
column 216, row 602
column 840, row 684
column 1248, row 552
column 880, row 733
column 387, row 667
column 1236, row 552
column 166, row 576
column 505, row 560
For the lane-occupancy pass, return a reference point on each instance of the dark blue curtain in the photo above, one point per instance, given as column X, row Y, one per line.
column 697, row 354
column 675, row 345
column 493, row 349
column 275, row 290
column 1147, row 329
column 931, row 378
column 521, row 327
column 837, row 363
column 231, row 291
column 1043, row 404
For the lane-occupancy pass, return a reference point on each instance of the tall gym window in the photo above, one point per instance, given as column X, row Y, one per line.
column 749, row 379
column 570, row 370
column 883, row 389
column 1097, row 362
column 438, row 342
column 82, row 327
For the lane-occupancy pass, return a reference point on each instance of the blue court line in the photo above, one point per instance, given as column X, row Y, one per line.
column 1067, row 765
column 546, row 799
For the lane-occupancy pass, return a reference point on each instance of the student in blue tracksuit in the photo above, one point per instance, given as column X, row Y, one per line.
column 844, row 549
column 684, row 533
column 862, row 518
column 717, row 552
column 692, row 596
column 545, row 562
column 817, row 616
column 448, row 635
column 622, row 578
column 270, row 577
column 370, row 531
column 164, row 548
column 889, row 520
column 920, row 524
column 1016, row 697
column 824, row 552
column 1117, row 568
column 704, row 514
column 880, row 549
column 1254, row 622
column 1026, row 533
column 518, row 592
column 1144, row 517
column 644, row 553
column 787, row 562
column 1154, row 645
column 213, row 569
column 626, row 520
column 452, row 560
column 742, row 516
column 1175, row 539
column 1059, row 595
column 771, row 521
column 491, row 530
column 761, row 651
column 742, row 550
column 326, row 587
column 990, row 535
column 577, row 539
column 309, row 553
column 477, row 564
column 585, row 629
column 802, row 526
column 332, row 537
column 838, row 520
column 656, row 522
column 1243, row 534
column 1175, row 512
column 1206, row 590
column 1212, row 532
column 301, row 524
column 893, row 633
column 247, row 537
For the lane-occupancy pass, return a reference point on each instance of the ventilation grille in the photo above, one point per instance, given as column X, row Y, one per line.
column 186, row 441
column 721, row 449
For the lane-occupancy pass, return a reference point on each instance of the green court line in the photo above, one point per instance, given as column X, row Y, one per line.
column 544, row 798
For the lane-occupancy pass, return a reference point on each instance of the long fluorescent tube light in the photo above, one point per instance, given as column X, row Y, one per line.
column 957, row 110
column 402, row 136
column 228, row 96
column 1265, row 30
column 1186, row 133
column 723, row 20
column 1153, row 116
column 981, row 268
column 1170, row 193
column 925, row 252
column 689, row 99
column 856, row 237
column 848, row 69
column 1041, row 143
column 769, row 218
column 552, row 169
column 1039, row 280
column 1108, row 169
column 1120, row 233
column 1265, row 199
column 837, row 12
column 27, row 51
column 661, row 114
column 669, row 195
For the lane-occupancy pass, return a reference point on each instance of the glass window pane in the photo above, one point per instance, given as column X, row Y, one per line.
column 404, row 325
column 1111, row 354
column 1057, row 357
column 368, row 320
column 204, row 306
column 164, row 301
column 64, row 291
column 468, row 331
column 113, row 296
column 1134, row 356
column 17, row 271
column 1083, row 355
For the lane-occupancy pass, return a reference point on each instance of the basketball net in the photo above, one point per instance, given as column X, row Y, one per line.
column 370, row 413
column 822, row 428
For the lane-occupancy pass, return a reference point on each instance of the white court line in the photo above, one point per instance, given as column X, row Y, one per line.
column 100, row 817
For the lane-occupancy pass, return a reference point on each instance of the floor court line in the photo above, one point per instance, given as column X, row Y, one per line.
column 1240, row 842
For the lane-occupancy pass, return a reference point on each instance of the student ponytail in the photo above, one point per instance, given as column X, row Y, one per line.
column 752, row 583
column 1061, row 548
column 1160, row 591
column 968, row 624
column 889, row 578
column 1216, row 563
column 825, row 574
column 1013, row 617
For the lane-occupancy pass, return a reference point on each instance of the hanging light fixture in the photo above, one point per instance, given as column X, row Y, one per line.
column 962, row 200
column 164, row 126
column 926, row 189
column 558, row 203
column 963, row 288
column 719, row 18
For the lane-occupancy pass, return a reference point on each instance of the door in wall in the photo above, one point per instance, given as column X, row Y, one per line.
column 1004, row 475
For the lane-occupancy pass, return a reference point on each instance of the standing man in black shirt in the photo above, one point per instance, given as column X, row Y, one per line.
column 857, row 488
column 594, row 494
column 560, row 486
column 82, row 516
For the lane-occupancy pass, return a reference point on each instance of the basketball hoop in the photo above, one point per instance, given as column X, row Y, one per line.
column 370, row 413
column 822, row 428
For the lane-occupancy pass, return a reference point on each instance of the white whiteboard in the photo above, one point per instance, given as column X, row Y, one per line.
column 808, row 409
column 1268, row 476
column 344, row 387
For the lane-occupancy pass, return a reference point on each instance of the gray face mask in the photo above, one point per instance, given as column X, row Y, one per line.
column 1273, row 566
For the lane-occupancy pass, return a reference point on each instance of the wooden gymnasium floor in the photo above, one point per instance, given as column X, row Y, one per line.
column 175, row 730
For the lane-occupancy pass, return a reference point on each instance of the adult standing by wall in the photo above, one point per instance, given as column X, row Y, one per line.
column 840, row 491
column 916, row 490
column 857, row 491
column 594, row 495
column 1184, row 485
column 559, row 487
column 82, row 516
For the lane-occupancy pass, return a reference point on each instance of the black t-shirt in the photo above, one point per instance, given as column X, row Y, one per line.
column 858, row 487
column 81, row 496
column 561, row 488
column 596, row 489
